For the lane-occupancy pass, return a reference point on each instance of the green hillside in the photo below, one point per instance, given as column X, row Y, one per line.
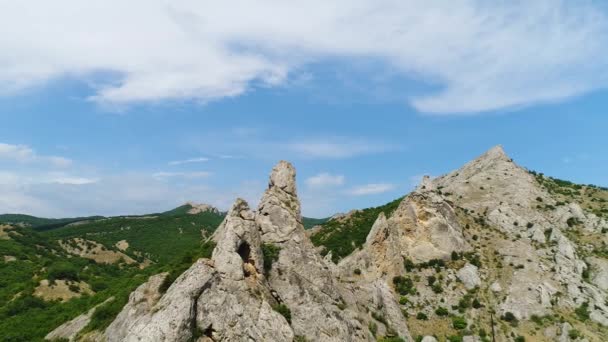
column 29, row 258
column 171, row 241
column 159, row 238
column 343, row 236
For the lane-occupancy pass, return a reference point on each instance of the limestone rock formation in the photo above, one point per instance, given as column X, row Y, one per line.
column 235, row 296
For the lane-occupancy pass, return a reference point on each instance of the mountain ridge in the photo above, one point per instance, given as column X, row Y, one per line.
column 491, row 250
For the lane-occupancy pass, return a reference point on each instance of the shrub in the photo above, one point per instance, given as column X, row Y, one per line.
column 582, row 312
column 459, row 323
column 455, row 256
column 408, row 264
column 572, row 221
column 63, row 270
column 98, row 285
column 455, row 338
column 403, row 300
column 476, row 303
column 520, row 339
column 403, row 285
column 441, row 311
column 357, row 271
column 421, row 316
column 373, row 328
column 510, row 317
column 574, row 334
column 530, row 225
column 437, row 288
column 284, row 311
column 270, row 253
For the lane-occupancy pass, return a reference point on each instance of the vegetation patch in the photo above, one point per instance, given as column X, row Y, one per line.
column 270, row 253
column 284, row 311
column 343, row 235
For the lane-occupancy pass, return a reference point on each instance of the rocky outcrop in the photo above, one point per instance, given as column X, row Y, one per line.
column 170, row 317
column 235, row 296
column 424, row 227
column 469, row 276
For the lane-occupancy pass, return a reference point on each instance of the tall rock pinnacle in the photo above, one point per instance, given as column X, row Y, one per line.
column 279, row 210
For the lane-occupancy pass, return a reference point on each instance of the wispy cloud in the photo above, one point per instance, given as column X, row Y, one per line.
column 324, row 179
column 335, row 148
column 75, row 180
column 204, row 52
column 25, row 154
column 197, row 174
column 371, row 189
column 189, row 161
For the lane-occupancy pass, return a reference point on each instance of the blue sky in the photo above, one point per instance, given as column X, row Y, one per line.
column 114, row 123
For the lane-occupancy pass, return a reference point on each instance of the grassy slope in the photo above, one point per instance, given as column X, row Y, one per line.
column 343, row 236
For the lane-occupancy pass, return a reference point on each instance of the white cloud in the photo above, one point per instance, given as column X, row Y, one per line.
column 189, row 161
column 477, row 55
column 25, row 154
column 75, row 180
column 325, row 180
column 19, row 153
column 196, row 174
column 334, row 148
column 371, row 189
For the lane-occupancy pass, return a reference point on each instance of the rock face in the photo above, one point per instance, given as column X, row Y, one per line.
column 235, row 296
column 424, row 227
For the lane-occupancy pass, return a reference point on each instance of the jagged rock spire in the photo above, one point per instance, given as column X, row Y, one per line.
column 279, row 210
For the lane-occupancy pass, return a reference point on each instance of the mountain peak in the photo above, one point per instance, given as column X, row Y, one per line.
column 496, row 152
column 197, row 208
